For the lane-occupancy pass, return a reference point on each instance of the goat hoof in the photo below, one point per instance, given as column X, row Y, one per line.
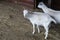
column 33, row 33
column 45, row 38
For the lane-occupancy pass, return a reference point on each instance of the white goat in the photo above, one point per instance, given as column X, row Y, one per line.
column 38, row 19
column 55, row 14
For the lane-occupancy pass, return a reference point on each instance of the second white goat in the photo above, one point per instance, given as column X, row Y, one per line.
column 39, row 19
column 55, row 14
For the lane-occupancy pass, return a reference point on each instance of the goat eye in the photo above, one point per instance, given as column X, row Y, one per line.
column 40, row 4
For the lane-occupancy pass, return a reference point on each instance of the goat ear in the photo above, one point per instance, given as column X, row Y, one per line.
column 25, row 8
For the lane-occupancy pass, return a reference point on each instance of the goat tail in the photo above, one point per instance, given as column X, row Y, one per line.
column 54, row 21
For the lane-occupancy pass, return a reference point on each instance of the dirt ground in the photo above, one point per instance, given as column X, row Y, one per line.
column 13, row 26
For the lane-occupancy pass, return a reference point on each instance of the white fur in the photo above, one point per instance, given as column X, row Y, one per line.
column 39, row 19
column 55, row 14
